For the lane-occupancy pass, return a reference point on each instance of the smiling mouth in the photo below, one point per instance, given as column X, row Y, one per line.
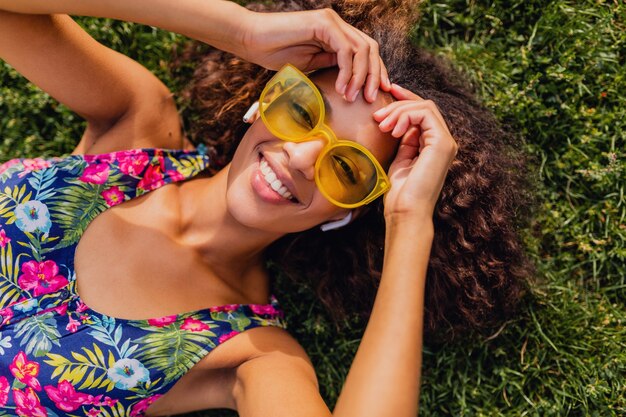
column 272, row 180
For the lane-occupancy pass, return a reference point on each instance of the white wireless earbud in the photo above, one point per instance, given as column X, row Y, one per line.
column 337, row 223
column 249, row 116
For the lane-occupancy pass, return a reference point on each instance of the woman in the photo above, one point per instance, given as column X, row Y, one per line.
column 99, row 344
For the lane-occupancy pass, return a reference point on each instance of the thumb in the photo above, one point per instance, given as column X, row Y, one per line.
column 401, row 93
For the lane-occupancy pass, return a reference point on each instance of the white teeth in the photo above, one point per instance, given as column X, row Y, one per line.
column 273, row 181
column 276, row 185
column 271, row 177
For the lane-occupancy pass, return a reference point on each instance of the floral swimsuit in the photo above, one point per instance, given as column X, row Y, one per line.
column 57, row 356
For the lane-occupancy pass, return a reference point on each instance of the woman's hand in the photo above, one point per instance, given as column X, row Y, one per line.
column 426, row 152
column 316, row 39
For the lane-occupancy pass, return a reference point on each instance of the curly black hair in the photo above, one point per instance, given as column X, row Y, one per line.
column 478, row 270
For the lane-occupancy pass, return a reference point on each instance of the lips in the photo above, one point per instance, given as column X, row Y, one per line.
column 272, row 179
column 272, row 184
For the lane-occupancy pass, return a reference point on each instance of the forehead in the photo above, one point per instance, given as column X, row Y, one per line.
column 354, row 121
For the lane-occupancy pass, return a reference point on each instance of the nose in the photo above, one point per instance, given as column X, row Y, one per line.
column 302, row 156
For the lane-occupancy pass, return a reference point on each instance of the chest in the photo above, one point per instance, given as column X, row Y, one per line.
column 131, row 263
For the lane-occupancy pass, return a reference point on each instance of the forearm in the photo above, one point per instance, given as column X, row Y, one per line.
column 209, row 21
column 384, row 379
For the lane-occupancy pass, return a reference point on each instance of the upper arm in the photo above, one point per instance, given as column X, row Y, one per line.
column 279, row 382
column 58, row 56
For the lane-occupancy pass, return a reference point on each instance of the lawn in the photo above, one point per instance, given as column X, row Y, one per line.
column 555, row 72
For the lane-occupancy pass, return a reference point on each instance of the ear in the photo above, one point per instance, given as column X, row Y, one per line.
column 252, row 114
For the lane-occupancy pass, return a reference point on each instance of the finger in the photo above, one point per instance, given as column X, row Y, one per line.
column 377, row 72
column 360, row 66
column 385, row 84
column 400, row 108
column 406, row 152
column 412, row 136
column 429, row 109
column 344, row 62
column 401, row 126
column 372, row 84
column 383, row 112
column 401, row 93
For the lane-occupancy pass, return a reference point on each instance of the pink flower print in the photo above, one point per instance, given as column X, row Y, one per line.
column 81, row 307
column 113, row 196
column 132, row 162
column 227, row 308
column 227, row 336
column 105, row 157
column 93, row 400
column 140, row 408
column 152, row 178
column 31, row 165
column 93, row 412
column 61, row 310
column 4, row 391
column 175, row 175
column 72, row 326
column 27, row 404
column 4, row 239
column 194, row 325
column 96, row 173
column 109, row 402
column 41, row 277
column 8, row 164
column 263, row 309
column 162, row 321
column 65, row 396
column 6, row 314
column 25, row 371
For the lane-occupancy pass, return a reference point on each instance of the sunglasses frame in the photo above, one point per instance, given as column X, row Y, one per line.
column 322, row 129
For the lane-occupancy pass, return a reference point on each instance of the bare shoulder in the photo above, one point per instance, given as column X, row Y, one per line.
column 253, row 344
column 260, row 372
column 277, row 379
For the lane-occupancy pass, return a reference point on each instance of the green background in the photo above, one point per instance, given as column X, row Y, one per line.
column 555, row 72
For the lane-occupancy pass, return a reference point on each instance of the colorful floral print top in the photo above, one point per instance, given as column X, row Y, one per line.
column 57, row 356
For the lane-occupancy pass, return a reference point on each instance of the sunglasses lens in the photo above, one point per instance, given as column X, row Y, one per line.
column 346, row 174
column 291, row 108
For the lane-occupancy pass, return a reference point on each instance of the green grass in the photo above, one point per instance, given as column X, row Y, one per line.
column 555, row 71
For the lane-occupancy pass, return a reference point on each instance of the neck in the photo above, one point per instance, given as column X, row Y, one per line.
column 232, row 249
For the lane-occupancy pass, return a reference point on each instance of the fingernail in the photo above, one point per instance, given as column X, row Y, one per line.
column 354, row 96
column 374, row 94
column 342, row 91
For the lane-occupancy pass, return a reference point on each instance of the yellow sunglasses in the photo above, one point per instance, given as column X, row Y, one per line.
column 346, row 173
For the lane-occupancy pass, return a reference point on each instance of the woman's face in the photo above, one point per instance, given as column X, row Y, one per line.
column 250, row 197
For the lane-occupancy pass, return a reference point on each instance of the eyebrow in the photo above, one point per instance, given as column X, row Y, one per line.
column 329, row 109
